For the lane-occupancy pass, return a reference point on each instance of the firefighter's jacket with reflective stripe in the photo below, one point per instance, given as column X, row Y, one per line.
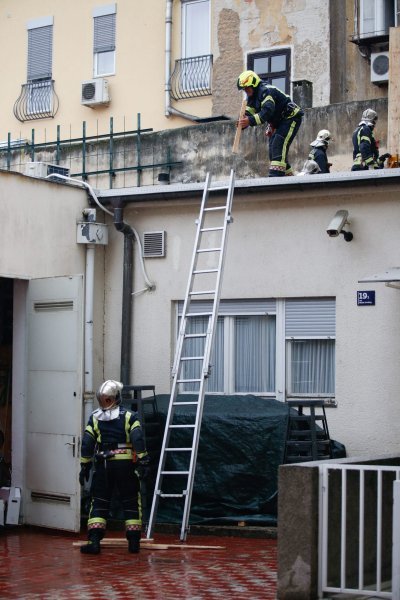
column 268, row 104
column 365, row 148
column 318, row 153
column 120, row 436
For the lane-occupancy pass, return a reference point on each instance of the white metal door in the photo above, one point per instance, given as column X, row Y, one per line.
column 54, row 402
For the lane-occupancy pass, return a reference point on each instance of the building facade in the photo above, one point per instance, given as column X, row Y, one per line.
column 175, row 62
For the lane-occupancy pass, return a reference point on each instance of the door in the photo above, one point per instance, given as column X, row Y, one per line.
column 54, row 402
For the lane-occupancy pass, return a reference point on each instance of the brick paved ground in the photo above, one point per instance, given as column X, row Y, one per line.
column 40, row 564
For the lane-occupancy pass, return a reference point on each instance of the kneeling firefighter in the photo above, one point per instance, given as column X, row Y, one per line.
column 113, row 439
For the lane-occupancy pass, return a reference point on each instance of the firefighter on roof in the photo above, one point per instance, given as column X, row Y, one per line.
column 113, row 438
column 318, row 150
column 268, row 104
column 365, row 147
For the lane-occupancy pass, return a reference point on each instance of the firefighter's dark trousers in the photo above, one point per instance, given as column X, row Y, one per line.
column 115, row 476
column 279, row 144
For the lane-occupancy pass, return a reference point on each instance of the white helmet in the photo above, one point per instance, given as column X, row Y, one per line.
column 322, row 139
column 310, row 168
column 369, row 117
column 109, row 394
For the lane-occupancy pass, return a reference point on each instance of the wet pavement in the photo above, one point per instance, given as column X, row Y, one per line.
column 47, row 565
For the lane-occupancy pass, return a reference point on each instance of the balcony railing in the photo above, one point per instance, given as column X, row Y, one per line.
column 191, row 77
column 37, row 100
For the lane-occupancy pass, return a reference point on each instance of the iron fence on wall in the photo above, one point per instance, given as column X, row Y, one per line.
column 101, row 156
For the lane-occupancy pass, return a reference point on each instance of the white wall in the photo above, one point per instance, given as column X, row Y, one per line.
column 278, row 247
column 38, row 239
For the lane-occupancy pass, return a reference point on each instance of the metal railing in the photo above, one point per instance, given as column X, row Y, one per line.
column 37, row 100
column 191, row 77
column 97, row 156
column 359, row 535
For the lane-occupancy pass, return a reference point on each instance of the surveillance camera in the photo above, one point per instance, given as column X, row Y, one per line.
column 335, row 227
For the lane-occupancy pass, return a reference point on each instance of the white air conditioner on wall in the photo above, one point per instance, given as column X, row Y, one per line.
column 379, row 67
column 43, row 169
column 95, row 92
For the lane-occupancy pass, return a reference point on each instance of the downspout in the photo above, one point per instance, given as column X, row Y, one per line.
column 127, row 279
column 168, row 37
column 88, row 394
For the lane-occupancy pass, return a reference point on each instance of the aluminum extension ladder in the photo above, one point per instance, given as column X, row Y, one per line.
column 197, row 328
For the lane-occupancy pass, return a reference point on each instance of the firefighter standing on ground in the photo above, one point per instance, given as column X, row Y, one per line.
column 111, row 438
column 268, row 104
column 365, row 147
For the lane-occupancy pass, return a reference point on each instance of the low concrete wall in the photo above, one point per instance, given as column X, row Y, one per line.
column 298, row 519
column 207, row 147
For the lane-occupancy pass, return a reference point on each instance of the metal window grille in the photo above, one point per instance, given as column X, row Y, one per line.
column 191, row 77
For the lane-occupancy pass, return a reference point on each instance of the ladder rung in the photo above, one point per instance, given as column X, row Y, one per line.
column 194, row 335
column 200, row 271
column 211, row 229
column 218, row 188
column 202, row 292
column 192, row 358
column 178, row 449
column 209, row 250
column 188, row 381
column 171, row 495
column 185, row 403
column 181, row 426
column 174, row 472
column 199, row 314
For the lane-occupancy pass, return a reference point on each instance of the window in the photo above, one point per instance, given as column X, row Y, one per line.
column 104, row 18
column 195, row 28
column 195, row 66
column 310, row 347
column 40, row 59
column 273, row 67
column 265, row 345
column 376, row 16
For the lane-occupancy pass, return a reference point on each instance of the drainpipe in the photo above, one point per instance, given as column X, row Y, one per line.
column 126, row 325
column 88, row 395
column 168, row 37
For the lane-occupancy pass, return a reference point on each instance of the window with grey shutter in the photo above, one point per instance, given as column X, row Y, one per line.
column 40, row 53
column 104, row 23
column 104, row 33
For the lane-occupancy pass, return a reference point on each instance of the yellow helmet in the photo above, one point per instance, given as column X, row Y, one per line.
column 248, row 79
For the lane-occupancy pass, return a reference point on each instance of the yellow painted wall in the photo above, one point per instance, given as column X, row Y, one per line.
column 138, row 85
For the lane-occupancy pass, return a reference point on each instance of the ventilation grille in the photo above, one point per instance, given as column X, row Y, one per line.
column 53, row 306
column 153, row 244
column 49, row 497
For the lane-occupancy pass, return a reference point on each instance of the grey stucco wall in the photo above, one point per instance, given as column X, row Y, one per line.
column 208, row 147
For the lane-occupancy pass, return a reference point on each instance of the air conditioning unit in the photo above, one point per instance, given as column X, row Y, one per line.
column 379, row 67
column 43, row 169
column 95, row 92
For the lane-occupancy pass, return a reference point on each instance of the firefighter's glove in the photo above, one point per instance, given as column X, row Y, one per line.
column 383, row 157
column 143, row 467
column 84, row 473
